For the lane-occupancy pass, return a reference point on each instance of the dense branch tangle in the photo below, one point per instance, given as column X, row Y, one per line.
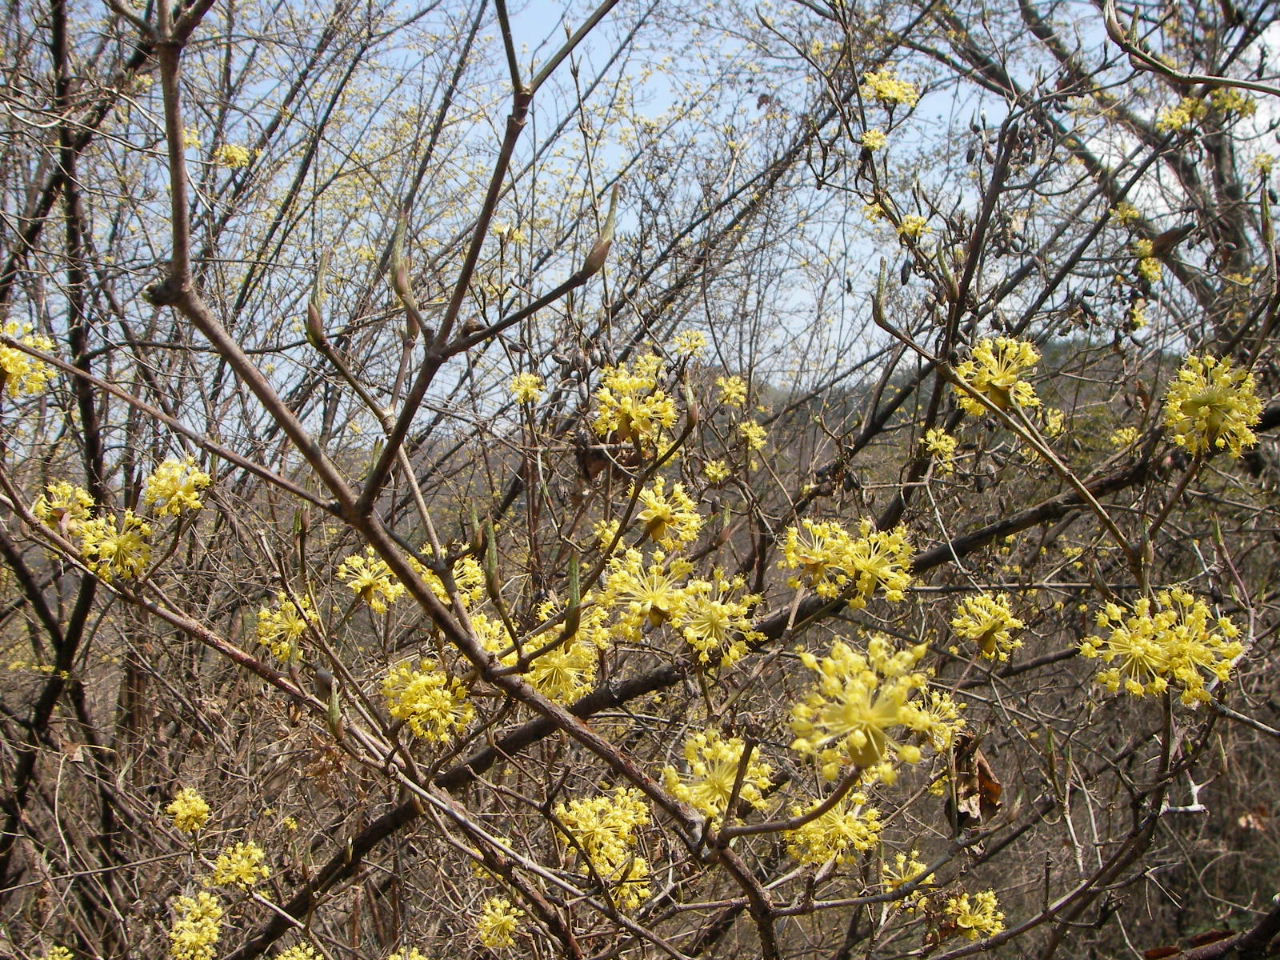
column 463, row 494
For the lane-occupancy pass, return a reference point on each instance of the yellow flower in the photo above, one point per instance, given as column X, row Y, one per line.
column 412, row 954
column 198, row 927
column 64, row 506
column 299, row 951
column 754, row 434
column 943, row 447
column 976, row 918
column 498, row 923
column 526, row 388
column 175, row 487
column 189, row 810
column 645, row 593
column 59, row 953
column 818, row 548
column 605, row 531
column 632, row 407
column 434, row 705
column 1125, row 213
column 1173, row 639
column 20, row 373
column 110, row 551
column 1211, row 405
column 996, row 371
column 669, row 518
column 568, row 672
column 849, row 716
column 690, row 343
column 605, row 828
column 371, row 579
column 733, row 391
column 716, row 471
column 231, row 155
column 1232, row 100
column 988, row 622
column 713, row 622
column 1123, row 436
column 905, row 869
column 913, row 226
column 280, row 629
column 713, row 764
column 874, row 139
column 242, row 864
column 885, row 87
column 1182, row 115
column 848, row 828
column 879, row 559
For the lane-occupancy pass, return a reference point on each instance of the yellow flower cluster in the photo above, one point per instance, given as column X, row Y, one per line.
column 996, row 371
column 690, row 343
column 63, row 506
column 713, row 764
column 299, row 951
column 371, row 579
column 20, row 373
column 754, row 434
column 943, row 447
column 733, row 391
column 833, row 561
column 716, row 471
column 116, row 551
column 434, row 705
column 604, row 828
column 905, row 869
column 1181, row 115
column 526, row 388
column 885, row 87
column 874, row 139
column 848, row 828
column 1054, row 422
column 280, row 629
column 1232, row 100
column 566, row 672
column 1149, row 267
column 175, row 487
column 669, row 518
column 198, row 927
column 632, row 407
column 644, row 593
column 1125, row 213
column 1211, row 406
column 988, row 621
column 241, row 864
column 231, row 155
column 977, row 917
column 913, row 226
column 714, row 623
column 1123, row 436
column 498, row 923
column 1173, row 639
column 859, row 700
column 413, row 954
column 189, row 810
column 58, row 953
